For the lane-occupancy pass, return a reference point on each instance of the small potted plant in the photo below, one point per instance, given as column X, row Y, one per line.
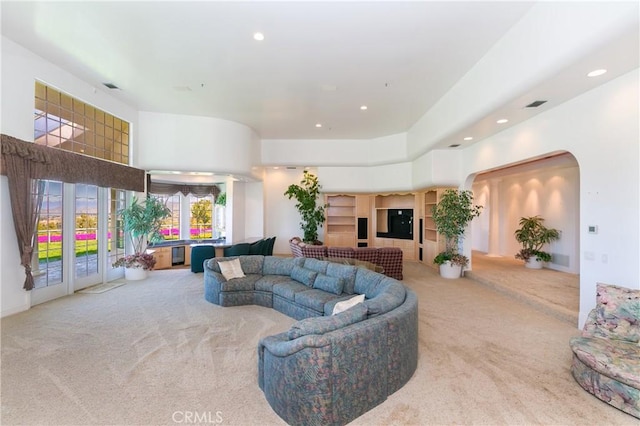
column 306, row 194
column 451, row 216
column 533, row 235
column 142, row 221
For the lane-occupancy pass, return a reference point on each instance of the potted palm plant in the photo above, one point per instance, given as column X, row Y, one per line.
column 142, row 220
column 533, row 235
column 306, row 195
column 451, row 216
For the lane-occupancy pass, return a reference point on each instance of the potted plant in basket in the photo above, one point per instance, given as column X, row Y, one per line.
column 451, row 216
column 142, row 221
column 306, row 194
column 533, row 235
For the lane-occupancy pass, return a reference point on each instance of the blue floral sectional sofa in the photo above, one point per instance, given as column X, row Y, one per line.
column 326, row 369
column 606, row 358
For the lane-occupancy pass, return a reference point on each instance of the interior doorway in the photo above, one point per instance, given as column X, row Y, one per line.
column 548, row 187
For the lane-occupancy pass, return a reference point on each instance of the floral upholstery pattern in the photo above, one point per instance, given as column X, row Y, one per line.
column 326, row 370
column 618, row 312
column 606, row 359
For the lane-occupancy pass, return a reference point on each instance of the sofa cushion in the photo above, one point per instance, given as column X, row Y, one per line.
column 231, row 269
column 331, row 284
column 317, row 265
column 303, row 275
column 321, row 325
column 341, row 252
column 367, row 281
column 267, row 282
column 346, row 304
column 288, row 289
column 314, row 299
column 366, row 254
column 280, row 265
column 313, row 251
column 617, row 359
column 390, row 258
column 246, row 283
column 346, row 272
column 618, row 312
column 252, row 264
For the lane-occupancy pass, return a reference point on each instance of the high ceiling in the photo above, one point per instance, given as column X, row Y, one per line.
column 319, row 62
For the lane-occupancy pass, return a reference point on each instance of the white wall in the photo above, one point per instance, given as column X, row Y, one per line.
column 20, row 70
column 191, row 143
column 335, row 152
column 254, row 209
column 280, row 215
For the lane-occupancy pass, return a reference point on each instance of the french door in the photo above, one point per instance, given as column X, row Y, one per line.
column 88, row 253
column 73, row 241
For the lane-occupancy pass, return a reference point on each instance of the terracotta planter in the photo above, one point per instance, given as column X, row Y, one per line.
column 450, row 271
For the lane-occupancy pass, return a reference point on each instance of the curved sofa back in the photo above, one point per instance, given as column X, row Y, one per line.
column 326, row 369
column 335, row 377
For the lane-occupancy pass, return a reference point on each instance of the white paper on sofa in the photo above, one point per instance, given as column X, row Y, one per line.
column 346, row 304
column 231, row 269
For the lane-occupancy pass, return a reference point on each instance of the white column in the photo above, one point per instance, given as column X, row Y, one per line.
column 494, row 218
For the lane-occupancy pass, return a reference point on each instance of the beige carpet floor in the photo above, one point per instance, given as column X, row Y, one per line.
column 155, row 352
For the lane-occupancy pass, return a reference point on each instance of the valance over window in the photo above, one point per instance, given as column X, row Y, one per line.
column 161, row 188
column 25, row 164
column 65, row 166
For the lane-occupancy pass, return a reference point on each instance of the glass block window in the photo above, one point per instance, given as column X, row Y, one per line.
column 64, row 122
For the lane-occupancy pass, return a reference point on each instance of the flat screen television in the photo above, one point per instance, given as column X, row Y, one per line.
column 399, row 224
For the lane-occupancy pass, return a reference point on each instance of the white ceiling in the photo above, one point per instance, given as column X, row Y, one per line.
column 319, row 62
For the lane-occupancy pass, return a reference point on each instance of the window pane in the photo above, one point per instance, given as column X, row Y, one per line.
column 170, row 228
column 86, row 230
column 115, row 232
column 47, row 261
column 201, row 219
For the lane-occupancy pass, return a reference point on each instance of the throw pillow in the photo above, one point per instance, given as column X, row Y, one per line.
column 346, row 304
column 231, row 269
column 617, row 312
column 321, row 325
column 331, row 284
column 303, row 275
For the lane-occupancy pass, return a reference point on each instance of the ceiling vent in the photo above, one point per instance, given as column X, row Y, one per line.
column 291, row 168
column 111, row 85
column 454, row 145
column 535, row 104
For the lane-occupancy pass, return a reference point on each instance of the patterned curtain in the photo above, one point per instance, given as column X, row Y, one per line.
column 25, row 191
column 24, row 163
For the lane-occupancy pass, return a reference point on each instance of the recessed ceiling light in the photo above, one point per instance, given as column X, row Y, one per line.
column 363, row 107
column 468, row 138
column 318, row 125
column 502, row 121
column 596, row 73
column 258, row 36
column 276, row 168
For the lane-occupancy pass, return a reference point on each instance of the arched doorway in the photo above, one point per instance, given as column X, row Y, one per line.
column 549, row 187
